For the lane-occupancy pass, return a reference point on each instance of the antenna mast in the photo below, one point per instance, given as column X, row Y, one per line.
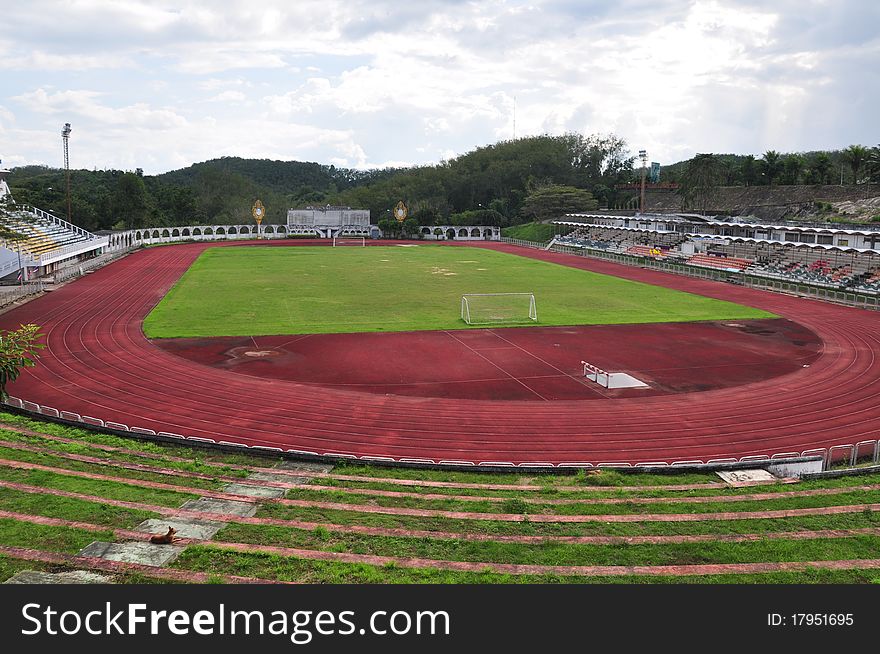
column 65, row 137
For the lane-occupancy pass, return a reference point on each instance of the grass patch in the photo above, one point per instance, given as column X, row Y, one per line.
column 491, row 527
column 535, row 232
column 625, row 508
column 87, row 449
column 249, row 291
column 109, row 469
column 96, row 487
column 67, row 508
column 267, row 566
column 134, row 444
column 769, row 550
column 46, row 538
column 600, row 478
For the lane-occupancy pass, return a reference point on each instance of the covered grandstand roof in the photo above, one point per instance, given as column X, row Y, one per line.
column 716, row 237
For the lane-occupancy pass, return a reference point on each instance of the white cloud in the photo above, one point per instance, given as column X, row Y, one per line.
column 367, row 82
column 228, row 96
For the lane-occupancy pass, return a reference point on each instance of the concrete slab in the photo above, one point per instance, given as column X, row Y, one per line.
column 278, row 477
column 262, row 492
column 72, row 577
column 186, row 527
column 133, row 552
column 223, row 507
column 745, row 476
column 305, row 465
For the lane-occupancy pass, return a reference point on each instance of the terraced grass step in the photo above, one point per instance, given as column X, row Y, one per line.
column 855, row 545
column 114, row 567
column 853, row 517
column 587, row 512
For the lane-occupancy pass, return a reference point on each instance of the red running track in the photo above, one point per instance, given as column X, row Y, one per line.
column 98, row 363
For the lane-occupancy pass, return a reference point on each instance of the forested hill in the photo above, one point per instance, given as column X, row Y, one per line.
column 489, row 184
column 217, row 191
column 505, row 183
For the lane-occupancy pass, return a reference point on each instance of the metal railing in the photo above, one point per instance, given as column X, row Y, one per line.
column 45, row 215
column 81, row 268
column 73, row 249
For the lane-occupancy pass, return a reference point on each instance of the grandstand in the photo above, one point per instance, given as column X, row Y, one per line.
column 331, row 222
column 829, row 257
column 47, row 242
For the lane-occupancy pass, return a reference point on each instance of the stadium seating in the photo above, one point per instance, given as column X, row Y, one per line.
column 42, row 234
column 722, row 263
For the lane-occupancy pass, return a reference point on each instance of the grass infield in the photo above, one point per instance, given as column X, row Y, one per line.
column 252, row 291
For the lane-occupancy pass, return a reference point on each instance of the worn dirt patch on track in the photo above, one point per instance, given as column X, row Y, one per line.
column 531, row 363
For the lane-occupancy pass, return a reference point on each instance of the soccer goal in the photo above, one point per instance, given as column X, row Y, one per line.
column 498, row 308
column 349, row 240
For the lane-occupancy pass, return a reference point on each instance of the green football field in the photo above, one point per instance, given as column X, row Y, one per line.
column 254, row 291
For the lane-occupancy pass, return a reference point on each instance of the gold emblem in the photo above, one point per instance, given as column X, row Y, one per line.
column 258, row 211
column 400, row 211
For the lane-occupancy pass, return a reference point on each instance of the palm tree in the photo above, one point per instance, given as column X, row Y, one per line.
column 874, row 164
column 792, row 166
column 856, row 156
column 771, row 163
column 821, row 167
column 748, row 170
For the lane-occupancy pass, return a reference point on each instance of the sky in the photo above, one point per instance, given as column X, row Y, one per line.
column 363, row 84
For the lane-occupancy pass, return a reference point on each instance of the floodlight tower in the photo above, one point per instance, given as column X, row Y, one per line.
column 65, row 137
column 643, row 155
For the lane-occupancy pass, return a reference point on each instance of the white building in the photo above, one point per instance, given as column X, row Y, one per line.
column 329, row 221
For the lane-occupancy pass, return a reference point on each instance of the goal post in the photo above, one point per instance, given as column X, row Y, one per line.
column 349, row 240
column 498, row 308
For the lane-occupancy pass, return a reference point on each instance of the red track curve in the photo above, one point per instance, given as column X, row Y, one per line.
column 99, row 363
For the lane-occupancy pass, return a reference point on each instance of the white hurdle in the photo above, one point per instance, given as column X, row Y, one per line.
column 596, row 374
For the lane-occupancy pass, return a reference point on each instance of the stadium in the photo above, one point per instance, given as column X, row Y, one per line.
column 422, row 411
column 362, row 352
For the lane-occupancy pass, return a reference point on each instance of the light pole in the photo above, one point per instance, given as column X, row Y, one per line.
column 65, row 136
column 643, row 155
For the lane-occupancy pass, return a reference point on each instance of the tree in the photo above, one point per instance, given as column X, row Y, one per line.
column 771, row 166
column 792, row 166
column 18, row 349
column 700, row 182
column 554, row 201
column 874, row 164
column 748, row 170
column 856, row 156
column 600, row 162
column 129, row 202
column 820, row 168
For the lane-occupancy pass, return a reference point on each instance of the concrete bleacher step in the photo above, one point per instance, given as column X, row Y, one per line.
column 305, row 466
column 259, row 492
column 185, row 527
column 70, row 577
column 221, row 507
column 279, row 477
column 143, row 553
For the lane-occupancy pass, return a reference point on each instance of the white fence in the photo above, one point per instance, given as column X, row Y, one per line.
column 10, row 294
column 863, row 452
column 81, row 268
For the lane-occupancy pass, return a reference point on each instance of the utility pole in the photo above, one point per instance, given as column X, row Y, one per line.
column 643, row 155
column 65, row 136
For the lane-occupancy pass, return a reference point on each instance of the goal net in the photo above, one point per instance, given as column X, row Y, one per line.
column 498, row 308
column 349, row 240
